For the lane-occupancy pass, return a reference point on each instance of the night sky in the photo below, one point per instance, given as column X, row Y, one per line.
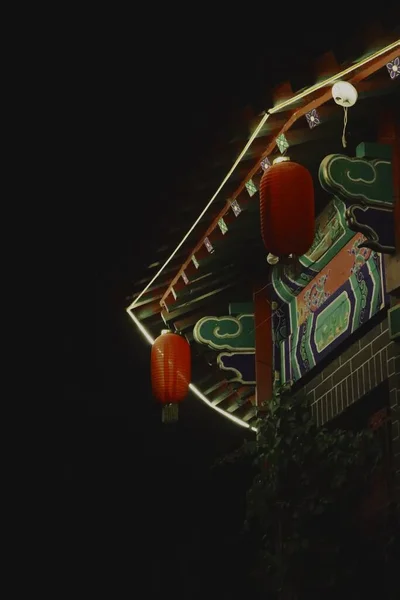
column 150, row 109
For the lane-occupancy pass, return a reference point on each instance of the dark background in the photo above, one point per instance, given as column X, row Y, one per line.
column 154, row 92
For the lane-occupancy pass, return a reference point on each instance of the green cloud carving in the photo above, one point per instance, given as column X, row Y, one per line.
column 357, row 179
column 226, row 333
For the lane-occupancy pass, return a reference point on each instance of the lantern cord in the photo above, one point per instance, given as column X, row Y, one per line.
column 344, row 143
column 263, row 288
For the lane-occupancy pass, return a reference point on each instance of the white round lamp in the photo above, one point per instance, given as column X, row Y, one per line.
column 344, row 94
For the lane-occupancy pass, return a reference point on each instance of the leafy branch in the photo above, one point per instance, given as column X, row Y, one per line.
column 308, row 484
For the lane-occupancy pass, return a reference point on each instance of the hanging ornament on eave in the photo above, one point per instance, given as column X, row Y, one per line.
column 393, row 67
column 287, row 208
column 313, row 118
column 223, row 226
column 282, row 143
column 208, row 245
column 265, row 163
column 170, row 372
column 251, row 187
column 236, row 207
column 344, row 94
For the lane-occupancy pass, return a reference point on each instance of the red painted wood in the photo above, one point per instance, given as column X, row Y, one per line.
column 263, row 325
column 389, row 133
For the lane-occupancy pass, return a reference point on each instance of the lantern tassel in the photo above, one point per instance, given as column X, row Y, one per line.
column 170, row 413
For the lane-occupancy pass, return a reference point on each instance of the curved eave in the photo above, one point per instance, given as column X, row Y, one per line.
column 184, row 292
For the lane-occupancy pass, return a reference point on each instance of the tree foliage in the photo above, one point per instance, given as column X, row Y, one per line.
column 303, row 506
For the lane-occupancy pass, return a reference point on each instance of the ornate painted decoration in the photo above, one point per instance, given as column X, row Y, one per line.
column 251, row 187
column 236, row 208
column 340, row 284
column 366, row 185
column 235, row 333
column 208, row 245
column 377, row 224
column 331, row 234
column 344, row 296
column 358, row 179
column 223, row 226
column 265, row 163
column 313, row 118
column 242, row 364
column 394, row 67
column 282, row 143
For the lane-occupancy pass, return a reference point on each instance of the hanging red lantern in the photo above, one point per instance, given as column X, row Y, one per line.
column 170, row 372
column 287, row 208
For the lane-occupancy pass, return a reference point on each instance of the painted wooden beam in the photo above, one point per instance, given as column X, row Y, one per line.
column 212, row 279
column 218, row 265
column 150, row 297
column 249, row 412
column 148, row 310
column 182, row 286
column 389, row 133
column 236, row 399
column 238, row 409
column 188, row 307
column 187, row 324
column 159, row 286
column 222, row 265
column 216, row 386
column 208, row 378
column 223, row 392
column 228, row 277
column 263, row 331
column 222, row 250
column 246, row 412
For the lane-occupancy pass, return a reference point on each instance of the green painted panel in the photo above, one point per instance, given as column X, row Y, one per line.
column 331, row 234
column 241, row 308
column 358, row 179
column 370, row 150
column 332, row 321
column 308, row 349
column 394, row 322
column 226, row 333
column 377, row 302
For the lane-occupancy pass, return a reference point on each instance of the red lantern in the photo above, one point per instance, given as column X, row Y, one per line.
column 287, row 208
column 170, row 372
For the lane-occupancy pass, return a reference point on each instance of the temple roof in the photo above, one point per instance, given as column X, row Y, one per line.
column 219, row 261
